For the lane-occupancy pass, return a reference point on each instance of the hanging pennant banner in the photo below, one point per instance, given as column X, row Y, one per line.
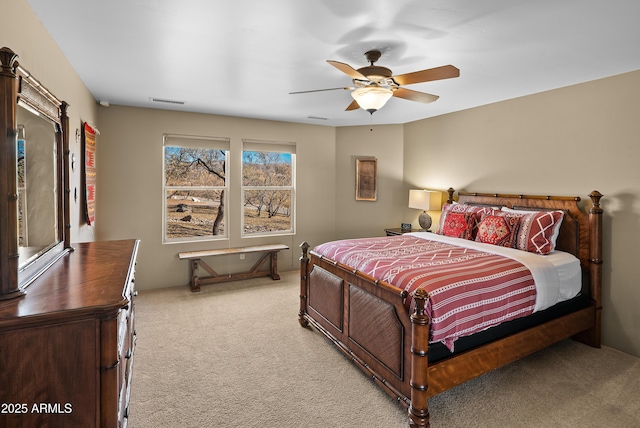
column 89, row 165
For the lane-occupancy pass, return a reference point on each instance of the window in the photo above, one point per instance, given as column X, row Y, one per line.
column 195, row 188
column 268, row 188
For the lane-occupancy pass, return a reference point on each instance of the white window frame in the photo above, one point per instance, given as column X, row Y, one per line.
column 278, row 147
column 196, row 142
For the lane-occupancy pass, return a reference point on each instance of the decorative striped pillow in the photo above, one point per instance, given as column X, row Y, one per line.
column 538, row 230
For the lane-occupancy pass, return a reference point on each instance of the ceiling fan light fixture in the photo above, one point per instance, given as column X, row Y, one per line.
column 372, row 98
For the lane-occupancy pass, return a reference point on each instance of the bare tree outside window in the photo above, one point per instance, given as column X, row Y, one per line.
column 195, row 184
column 268, row 191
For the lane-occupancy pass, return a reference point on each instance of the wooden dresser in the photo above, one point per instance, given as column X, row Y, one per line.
column 66, row 347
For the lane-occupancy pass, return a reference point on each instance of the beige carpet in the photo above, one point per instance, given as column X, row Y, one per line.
column 234, row 355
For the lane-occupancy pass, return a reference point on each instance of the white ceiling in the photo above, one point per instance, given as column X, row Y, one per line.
column 243, row 57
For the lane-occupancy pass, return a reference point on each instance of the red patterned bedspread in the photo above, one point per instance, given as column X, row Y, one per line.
column 469, row 290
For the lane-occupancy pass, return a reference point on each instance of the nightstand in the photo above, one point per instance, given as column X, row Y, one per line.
column 398, row 231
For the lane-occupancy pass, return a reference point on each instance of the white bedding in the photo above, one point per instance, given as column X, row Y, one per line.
column 557, row 275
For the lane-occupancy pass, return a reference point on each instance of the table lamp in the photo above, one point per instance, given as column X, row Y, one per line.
column 424, row 200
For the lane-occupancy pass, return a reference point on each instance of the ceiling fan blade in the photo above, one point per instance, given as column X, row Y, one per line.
column 348, row 70
column 320, row 90
column 438, row 73
column 410, row 95
column 353, row 106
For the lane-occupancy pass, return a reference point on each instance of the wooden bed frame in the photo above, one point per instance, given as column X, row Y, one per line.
column 366, row 319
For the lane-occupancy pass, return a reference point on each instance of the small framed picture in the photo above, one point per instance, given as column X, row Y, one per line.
column 366, row 176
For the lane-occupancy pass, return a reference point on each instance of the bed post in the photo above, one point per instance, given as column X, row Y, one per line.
column 450, row 191
column 592, row 336
column 304, row 271
column 418, row 410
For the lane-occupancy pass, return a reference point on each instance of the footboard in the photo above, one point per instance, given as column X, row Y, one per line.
column 366, row 319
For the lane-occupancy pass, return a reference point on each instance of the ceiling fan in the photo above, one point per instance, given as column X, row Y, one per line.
column 374, row 85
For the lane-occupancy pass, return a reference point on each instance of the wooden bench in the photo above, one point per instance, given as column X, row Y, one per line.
column 195, row 257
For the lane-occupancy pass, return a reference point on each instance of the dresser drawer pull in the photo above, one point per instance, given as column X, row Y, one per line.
column 128, row 355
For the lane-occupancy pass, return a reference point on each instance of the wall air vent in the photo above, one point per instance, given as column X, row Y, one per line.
column 164, row 100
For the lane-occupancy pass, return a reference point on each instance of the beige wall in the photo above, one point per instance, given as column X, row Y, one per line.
column 37, row 52
column 568, row 141
column 129, row 195
column 356, row 219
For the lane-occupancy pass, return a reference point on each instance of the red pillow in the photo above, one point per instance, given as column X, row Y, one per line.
column 458, row 225
column 538, row 231
column 499, row 229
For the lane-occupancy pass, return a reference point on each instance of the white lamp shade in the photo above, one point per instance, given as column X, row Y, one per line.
column 425, row 199
column 371, row 98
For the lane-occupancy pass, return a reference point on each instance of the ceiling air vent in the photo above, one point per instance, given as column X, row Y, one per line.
column 164, row 100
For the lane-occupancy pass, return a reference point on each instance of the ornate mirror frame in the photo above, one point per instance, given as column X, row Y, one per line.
column 18, row 86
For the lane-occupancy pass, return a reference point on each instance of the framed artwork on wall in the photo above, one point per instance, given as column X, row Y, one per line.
column 366, row 179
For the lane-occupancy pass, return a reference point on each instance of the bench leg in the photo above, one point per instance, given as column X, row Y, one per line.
column 274, row 265
column 195, row 281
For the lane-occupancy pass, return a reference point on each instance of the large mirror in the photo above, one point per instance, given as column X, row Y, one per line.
column 34, row 220
column 37, row 190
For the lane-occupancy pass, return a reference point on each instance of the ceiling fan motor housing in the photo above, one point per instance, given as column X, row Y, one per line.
column 375, row 73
